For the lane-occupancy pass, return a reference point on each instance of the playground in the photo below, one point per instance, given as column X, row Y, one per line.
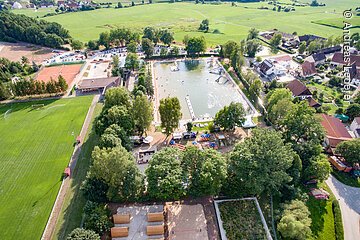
column 69, row 72
column 202, row 87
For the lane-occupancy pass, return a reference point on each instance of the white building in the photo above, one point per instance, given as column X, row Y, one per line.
column 16, row 5
column 355, row 127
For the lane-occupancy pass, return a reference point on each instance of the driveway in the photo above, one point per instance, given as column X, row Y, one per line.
column 349, row 200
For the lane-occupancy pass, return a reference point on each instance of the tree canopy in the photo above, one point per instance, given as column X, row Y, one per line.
column 350, row 150
column 259, row 164
column 83, row 234
column 170, row 114
column 142, row 112
column 230, row 116
column 195, row 45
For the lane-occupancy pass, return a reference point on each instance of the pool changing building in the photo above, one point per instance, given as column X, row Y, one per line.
column 98, row 84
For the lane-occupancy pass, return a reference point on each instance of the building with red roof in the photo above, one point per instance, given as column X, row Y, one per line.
column 335, row 131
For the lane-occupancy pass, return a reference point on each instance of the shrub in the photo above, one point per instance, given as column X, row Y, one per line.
column 339, row 229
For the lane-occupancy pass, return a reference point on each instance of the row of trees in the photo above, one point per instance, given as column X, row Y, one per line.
column 33, row 87
column 17, row 27
column 9, row 68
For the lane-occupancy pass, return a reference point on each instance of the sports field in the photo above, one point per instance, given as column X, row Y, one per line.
column 184, row 18
column 36, row 146
column 68, row 72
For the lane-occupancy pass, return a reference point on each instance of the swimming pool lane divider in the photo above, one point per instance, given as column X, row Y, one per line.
column 187, row 98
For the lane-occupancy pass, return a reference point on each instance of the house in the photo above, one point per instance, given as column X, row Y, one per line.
column 308, row 69
column 355, row 127
column 335, row 131
column 266, row 67
column 299, row 89
column 313, row 103
column 98, row 84
column 329, row 50
column 338, row 60
column 319, row 58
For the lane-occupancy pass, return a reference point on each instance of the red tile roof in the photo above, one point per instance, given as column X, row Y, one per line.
column 339, row 58
column 298, row 88
column 335, row 130
column 308, row 68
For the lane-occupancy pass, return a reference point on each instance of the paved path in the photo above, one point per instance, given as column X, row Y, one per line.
column 51, row 224
column 349, row 200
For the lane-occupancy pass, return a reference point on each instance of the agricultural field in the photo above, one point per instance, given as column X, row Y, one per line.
column 36, row 145
column 184, row 18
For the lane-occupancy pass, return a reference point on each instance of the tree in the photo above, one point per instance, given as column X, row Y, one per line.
column 319, row 168
column 119, row 5
column 117, row 96
column 229, row 48
column 97, row 217
column 230, row 116
column 166, row 36
column 259, row 164
column 83, row 234
column 132, row 61
column 278, row 102
column 104, row 39
column 94, row 189
column 357, row 98
column 24, row 60
column 353, row 111
column 93, row 45
column 349, row 150
column 175, row 51
column 163, row 52
column 252, row 47
column 131, row 47
column 255, row 88
column 119, row 132
column 109, row 141
column 76, row 45
column 302, row 47
column 195, row 45
column 253, row 34
column 170, row 114
column 313, row 46
column 189, row 126
column 62, row 83
column 302, row 128
column 204, row 171
column 295, row 221
column 147, row 47
column 204, row 25
column 275, row 41
column 142, row 113
column 152, row 34
column 164, row 175
column 116, row 167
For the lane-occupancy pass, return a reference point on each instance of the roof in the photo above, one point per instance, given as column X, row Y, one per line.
column 335, row 130
column 339, row 58
column 308, row 68
column 97, row 83
column 298, row 88
column 313, row 103
column 357, row 120
column 284, row 58
column 319, row 57
column 308, row 37
column 329, row 50
column 265, row 66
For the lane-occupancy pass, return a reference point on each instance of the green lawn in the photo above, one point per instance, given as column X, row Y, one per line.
column 184, row 18
column 346, row 178
column 322, row 216
column 36, row 146
column 72, row 209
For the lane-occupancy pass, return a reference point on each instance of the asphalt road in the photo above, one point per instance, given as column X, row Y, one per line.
column 349, row 200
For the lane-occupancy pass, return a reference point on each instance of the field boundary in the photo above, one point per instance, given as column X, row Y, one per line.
column 56, row 209
column 220, row 223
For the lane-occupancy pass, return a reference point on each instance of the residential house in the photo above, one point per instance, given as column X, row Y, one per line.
column 335, row 131
column 355, row 127
column 308, row 69
column 299, row 90
column 271, row 69
column 353, row 63
column 319, row 58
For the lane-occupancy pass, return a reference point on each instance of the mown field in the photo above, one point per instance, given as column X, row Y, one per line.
column 36, row 146
column 184, row 18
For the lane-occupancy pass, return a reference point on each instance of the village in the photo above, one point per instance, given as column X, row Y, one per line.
column 182, row 140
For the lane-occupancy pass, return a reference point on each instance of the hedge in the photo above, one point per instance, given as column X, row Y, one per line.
column 339, row 228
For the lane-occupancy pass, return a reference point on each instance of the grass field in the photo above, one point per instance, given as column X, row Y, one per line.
column 72, row 209
column 36, row 146
column 184, row 18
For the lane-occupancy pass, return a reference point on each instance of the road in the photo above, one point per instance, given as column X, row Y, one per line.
column 349, row 200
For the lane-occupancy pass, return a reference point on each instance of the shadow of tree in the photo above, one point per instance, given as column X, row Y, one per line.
column 72, row 212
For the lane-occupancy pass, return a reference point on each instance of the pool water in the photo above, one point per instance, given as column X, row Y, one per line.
column 198, row 81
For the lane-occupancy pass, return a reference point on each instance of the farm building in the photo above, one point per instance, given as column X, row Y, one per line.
column 98, row 84
column 335, row 131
